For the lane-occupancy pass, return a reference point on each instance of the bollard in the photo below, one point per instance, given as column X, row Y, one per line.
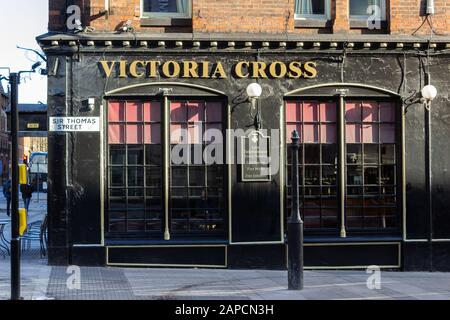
column 295, row 225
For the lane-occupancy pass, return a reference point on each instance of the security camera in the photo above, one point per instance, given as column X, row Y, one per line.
column 35, row 65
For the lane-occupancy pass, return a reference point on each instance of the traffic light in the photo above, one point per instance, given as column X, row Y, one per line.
column 25, row 159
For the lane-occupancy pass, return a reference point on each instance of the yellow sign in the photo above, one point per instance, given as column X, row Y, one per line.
column 22, row 221
column 206, row 69
column 33, row 125
column 22, row 174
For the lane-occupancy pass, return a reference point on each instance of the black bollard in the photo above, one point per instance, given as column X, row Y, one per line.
column 295, row 225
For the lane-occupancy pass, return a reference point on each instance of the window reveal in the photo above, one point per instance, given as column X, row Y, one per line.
column 196, row 189
column 370, row 168
column 134, row 165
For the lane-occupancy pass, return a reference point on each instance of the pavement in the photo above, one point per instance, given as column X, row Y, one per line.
column 42, row 282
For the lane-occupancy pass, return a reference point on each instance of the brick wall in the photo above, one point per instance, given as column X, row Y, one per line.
column 252, row 16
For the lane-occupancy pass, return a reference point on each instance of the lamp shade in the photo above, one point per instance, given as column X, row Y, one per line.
column 429, row 92
column 254, row 90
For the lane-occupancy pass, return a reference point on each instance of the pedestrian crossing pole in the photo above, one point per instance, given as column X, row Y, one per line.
column 15, row 237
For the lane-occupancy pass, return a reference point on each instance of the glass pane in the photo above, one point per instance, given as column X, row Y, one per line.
column 196, row 176
column 387, row 112
column 135, row 155
column 116, row 111
column 178, row 112
column 152, row 133
column 293, row 112
column 118, row 215
column 117, row 193
column 312, row 153
column 152, row 111
column 136, row 192
column 117, row 226
column 354, row 175
column 370, row 175
column 353, row 112
column 153, row 204
column 136, row 225
column 213, row 133
column 153, row 192
column 310, row 112
column 135, row 177
column 134, row 134
column 388, row 154
column 153, row 155
column 312, row 218
column 117, row 155
column 370, row 112
column 117, row 176
column 312, row 175
column 214, row 112
column 195, row 132
column 215, row 176
column 370, row 133
column 116, row 134
column 153, row 176
column 354, row 154
column 328, row 112
column 166, row 6
column 117, row 203
column 136, row 203
column 308, row 7
column 329, row 153
column 328, row 133
column 134, row 112
column 196, row 111
column 179, row 176
column 354, row 217
column 387, row 133
column 371, row 153
column 353, row 133
column 311, row 133
column 178, row 133
column 388, row 175
column 329, row 175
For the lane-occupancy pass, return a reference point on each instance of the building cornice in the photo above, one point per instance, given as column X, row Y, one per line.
column 229, row 42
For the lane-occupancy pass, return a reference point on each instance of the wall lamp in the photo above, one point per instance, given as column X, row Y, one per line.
column 429, row 92
column 254, row 91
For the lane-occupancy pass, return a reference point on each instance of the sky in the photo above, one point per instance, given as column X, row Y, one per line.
column 21, row 22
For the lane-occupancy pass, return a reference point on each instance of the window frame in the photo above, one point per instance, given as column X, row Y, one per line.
column 157, row 235
column 365, row 17
column 167, row 15
column 306, row 17
column 396, row 230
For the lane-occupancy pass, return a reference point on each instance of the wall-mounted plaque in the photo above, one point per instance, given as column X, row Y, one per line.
column 255, row 157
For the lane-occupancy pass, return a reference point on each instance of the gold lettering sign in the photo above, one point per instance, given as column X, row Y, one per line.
column 207, row 70
column 32, row 125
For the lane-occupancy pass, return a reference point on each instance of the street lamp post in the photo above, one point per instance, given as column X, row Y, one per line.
column 429, row 92
column 295, row 225
column 14, row 79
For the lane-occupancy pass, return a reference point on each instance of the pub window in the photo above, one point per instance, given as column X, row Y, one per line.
column 363, row 9
column 166, row 8
column 134, row 167
column 312, row 9
column 370, row 165
column 316, row 125
column 370, row 170
column 135, row 185
column 196, row 185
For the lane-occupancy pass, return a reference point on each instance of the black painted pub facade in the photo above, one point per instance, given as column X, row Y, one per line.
column 118, row 197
